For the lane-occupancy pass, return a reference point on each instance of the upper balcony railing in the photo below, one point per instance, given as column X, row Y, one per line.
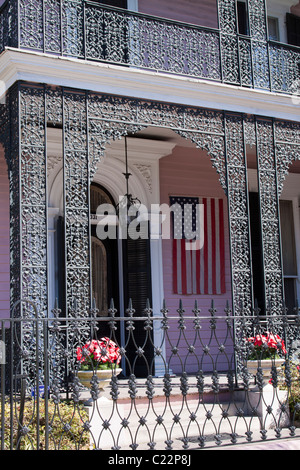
column 90, row 31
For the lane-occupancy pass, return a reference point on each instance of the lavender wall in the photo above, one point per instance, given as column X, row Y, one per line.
column 189, row 172
column 199, row 12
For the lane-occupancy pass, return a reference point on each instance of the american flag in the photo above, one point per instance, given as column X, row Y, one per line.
column 198, row 266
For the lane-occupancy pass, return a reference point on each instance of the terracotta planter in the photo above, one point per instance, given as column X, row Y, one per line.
column 103, row 377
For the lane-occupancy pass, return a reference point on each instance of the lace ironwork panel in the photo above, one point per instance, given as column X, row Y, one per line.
column 285, row 66
column 76, row 206
column 237, row 190
column 245, row 60
column 229, row 41
column 112, row 117
column 269, row 210
column 33, row 196
column 26, row 156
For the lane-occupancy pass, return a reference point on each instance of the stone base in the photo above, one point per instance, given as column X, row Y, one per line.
column 268, row 404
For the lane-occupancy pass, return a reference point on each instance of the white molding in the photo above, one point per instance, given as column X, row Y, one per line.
column 110, row 175
column 125, row 81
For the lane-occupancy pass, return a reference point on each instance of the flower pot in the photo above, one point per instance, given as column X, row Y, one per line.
column 102, row 377
column 266, row 367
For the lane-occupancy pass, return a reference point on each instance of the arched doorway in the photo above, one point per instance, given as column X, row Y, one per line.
column 121, row 270
column 104, row 259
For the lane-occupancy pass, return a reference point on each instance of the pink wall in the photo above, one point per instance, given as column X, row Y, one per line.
column 4, row 239
column 199, row 12
column 189, row 172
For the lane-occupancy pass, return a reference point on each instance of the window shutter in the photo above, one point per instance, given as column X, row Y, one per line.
column 256, row 248
column 137, row 287
column 114, row 3
column 242, row 18
column 61, row 268
column 99, row 276
column 293, row 29
column 289, row 257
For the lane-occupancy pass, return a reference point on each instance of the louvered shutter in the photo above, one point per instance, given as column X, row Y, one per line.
column 61, row 268
column 256, row 248
column 293, row 29
column 114, row 3
column 137, row 287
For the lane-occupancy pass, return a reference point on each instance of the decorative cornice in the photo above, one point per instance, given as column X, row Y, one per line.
column 125, row 81
column 146, row 173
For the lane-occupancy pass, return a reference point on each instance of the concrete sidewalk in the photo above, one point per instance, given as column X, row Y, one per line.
column 176, row 414
column 281, row 444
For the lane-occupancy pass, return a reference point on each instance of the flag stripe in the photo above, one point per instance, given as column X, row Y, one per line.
column 184, row 267
column 217, row 241
column 201, row 271
column 206, row 247
column 222, row 248
column 213, row 243
column 176, row 270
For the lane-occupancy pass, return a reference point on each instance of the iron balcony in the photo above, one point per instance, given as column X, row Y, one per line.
column 93, row 32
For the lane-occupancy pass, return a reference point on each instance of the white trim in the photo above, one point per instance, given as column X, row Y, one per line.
column 112, row 79
column 132, row 5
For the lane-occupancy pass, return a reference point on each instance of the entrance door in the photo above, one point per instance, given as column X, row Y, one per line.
column 121, row 281
column 104, row 260
column 105, row 280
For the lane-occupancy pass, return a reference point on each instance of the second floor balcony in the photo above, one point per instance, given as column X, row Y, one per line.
column 94, row 32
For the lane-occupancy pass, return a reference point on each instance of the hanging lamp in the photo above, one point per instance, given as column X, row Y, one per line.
column 127, row 201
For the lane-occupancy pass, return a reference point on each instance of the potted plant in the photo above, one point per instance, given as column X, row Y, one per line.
column 265, row 354
column 98, row 362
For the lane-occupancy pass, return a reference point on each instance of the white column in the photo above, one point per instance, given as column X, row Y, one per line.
column 157, row 299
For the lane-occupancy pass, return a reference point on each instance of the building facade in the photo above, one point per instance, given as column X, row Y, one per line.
column 201, row 99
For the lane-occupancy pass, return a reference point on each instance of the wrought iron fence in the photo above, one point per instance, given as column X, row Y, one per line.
column 86, row 30
column 173, row 381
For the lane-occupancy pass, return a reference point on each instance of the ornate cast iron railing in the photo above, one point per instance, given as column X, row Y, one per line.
column 178, row 389
column 86, row 30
